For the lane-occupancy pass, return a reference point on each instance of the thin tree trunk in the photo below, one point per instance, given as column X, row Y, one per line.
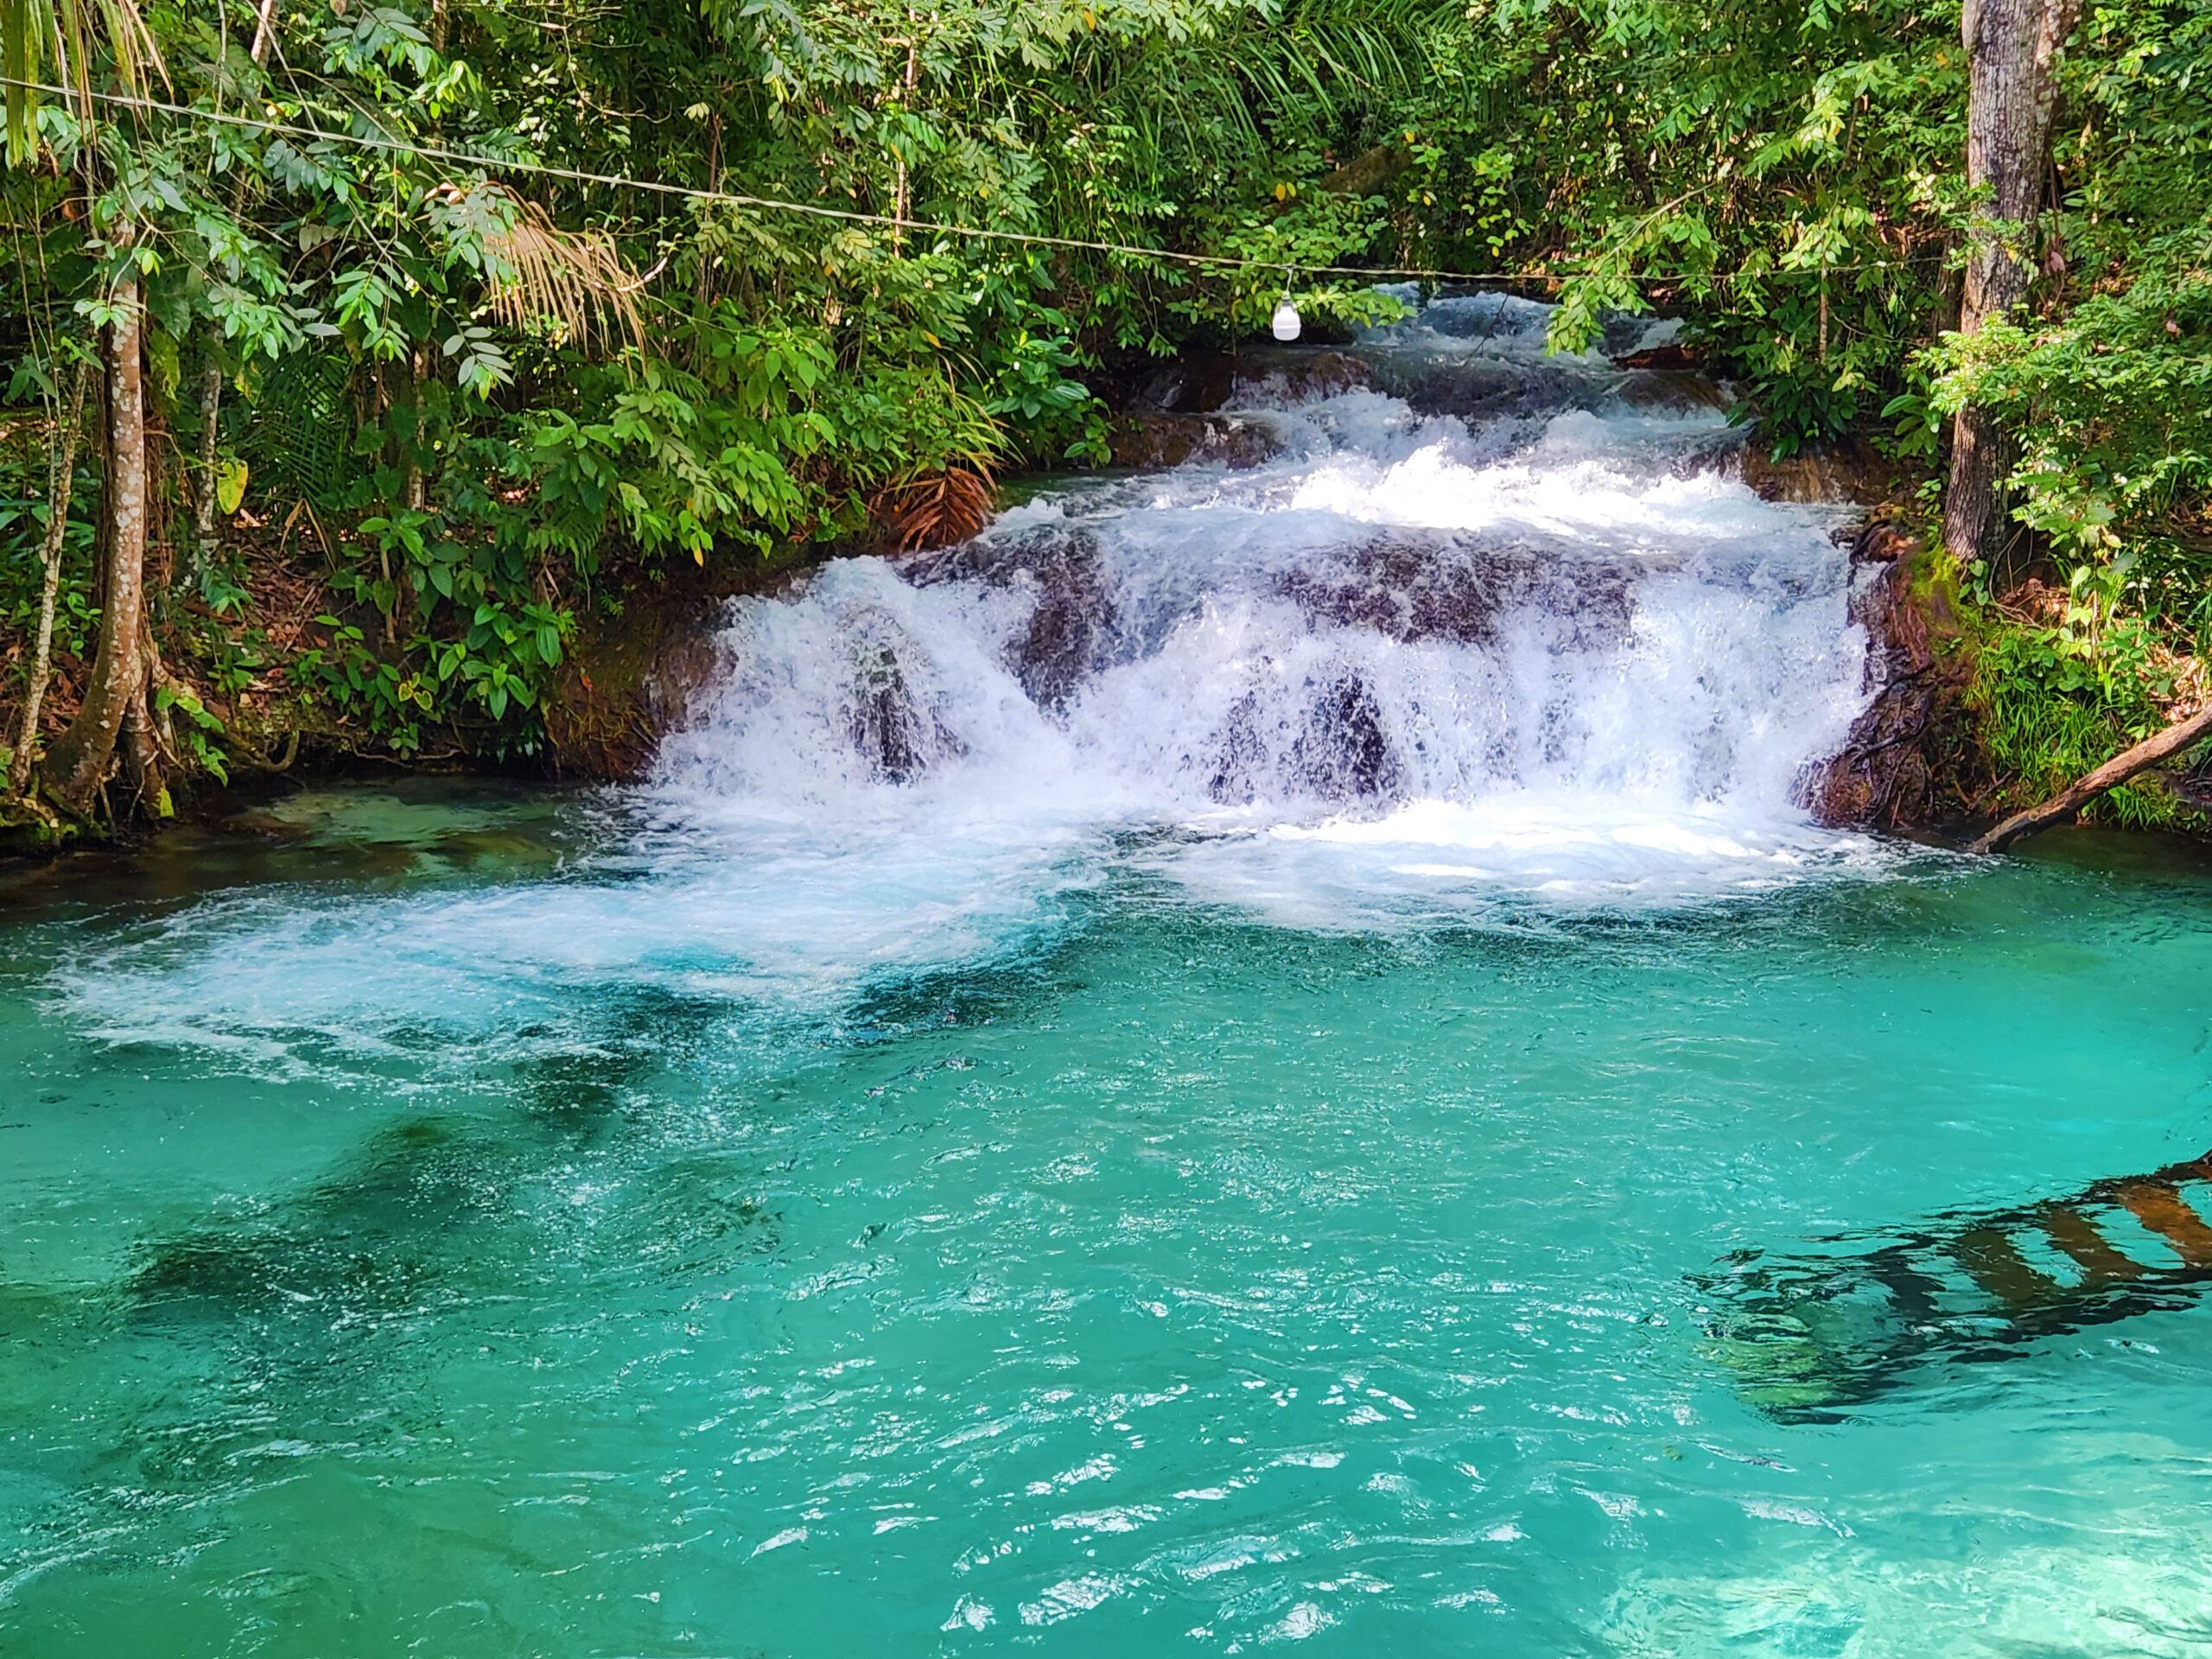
column 418, row 376
column 265, row 31
column 2013, row 58
column 203, row 494
column 706, row 290
column 901, row 200
column 81, row 758
column 60, row 484
column 416, row 487
column 204, row 514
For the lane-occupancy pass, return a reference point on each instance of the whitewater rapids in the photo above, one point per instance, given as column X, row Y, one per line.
column 1493, row 623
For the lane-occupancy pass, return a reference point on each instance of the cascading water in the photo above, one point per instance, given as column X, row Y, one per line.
column 1492, row 636
column 988, row 1150
column 1493, row 621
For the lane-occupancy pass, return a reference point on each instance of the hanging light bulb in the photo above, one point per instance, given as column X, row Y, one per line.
column 1286, row 324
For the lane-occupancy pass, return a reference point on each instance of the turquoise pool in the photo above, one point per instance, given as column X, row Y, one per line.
column 417, row 1237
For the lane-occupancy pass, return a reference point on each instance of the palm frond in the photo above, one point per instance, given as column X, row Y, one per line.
column 576, row 281
column 67, row 38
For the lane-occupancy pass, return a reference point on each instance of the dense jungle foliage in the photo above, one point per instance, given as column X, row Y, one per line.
column 461, row 325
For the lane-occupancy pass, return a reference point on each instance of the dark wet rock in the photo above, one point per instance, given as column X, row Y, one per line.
column 1848, row 471
column 1411, row 590
column 1198, row 382
column 1482, row 314
column 1071, row 629
column 1883, row 542
column 1241, row 756
column 1343, row 753
column 1206, row 383
column 1066, row 639
column 1672, row 389
column 1891, row 770
column 889, row 728
column 1290, row 376
column 631, row 675
column 1339, row 749
column 1719, row 452
column 1622, row 336
column 1153, row 441
column 1047, row 553
column 1672, row 356
column 1480, row 390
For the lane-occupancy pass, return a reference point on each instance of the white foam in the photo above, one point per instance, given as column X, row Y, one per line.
column 1623, row 669
column 1661, row 656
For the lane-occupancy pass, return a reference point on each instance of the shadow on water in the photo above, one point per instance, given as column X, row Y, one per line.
column 321, row 1319
column 419, row 1201
column 405, row 832
column 1809, row 1335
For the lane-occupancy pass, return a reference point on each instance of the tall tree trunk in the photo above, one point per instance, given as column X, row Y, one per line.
column 80, row 761
column 60, row 484
column 2012, row 59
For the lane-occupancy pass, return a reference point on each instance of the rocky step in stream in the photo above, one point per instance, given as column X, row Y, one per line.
column 1449, row 571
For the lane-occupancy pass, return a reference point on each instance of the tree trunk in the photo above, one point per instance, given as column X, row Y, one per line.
column 2013, row 58
column 204, row 513
column 416, row 486
column 203, row 508
column 60, row 484
column 81, row 760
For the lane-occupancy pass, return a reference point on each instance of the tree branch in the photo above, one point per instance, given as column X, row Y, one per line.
column 2182, row 735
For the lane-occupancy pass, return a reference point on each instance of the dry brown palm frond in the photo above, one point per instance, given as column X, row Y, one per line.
column 576, row 281
column 935, row 509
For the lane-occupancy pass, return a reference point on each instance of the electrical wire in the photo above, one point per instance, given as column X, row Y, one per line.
column 889, row 221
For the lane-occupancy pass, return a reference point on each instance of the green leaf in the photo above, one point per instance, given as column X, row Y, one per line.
column 230, row 485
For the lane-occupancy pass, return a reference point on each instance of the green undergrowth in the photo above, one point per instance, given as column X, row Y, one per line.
column 2051, row 703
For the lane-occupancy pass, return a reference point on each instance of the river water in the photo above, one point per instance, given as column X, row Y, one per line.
column 1255, row 1058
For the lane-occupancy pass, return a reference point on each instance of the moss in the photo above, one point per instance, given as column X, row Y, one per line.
column 632, row 665
column 29, row 830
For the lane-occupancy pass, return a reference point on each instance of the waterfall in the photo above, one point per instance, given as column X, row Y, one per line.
column 1485, row 620
column 1490, row 638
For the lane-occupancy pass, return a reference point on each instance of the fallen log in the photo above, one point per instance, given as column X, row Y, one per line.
column 2182, row 735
